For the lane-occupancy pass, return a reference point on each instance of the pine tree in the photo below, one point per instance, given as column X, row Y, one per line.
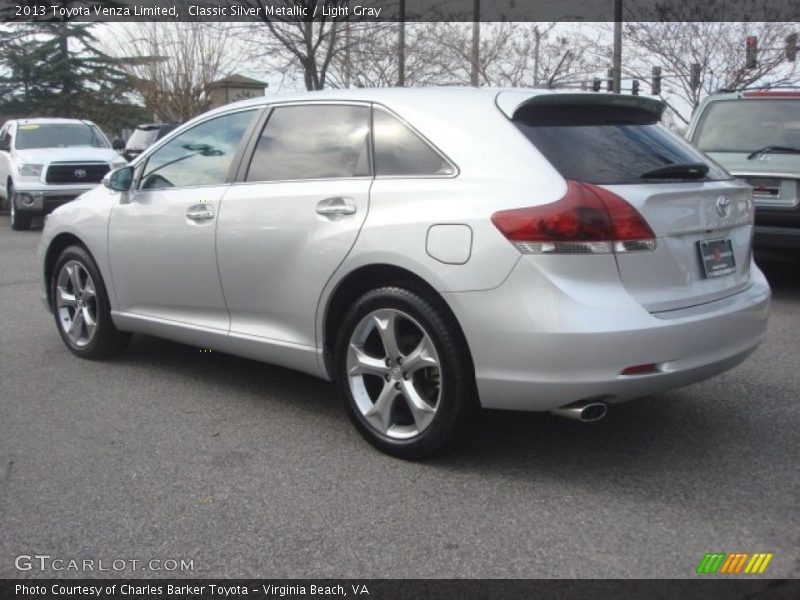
column 57, row 69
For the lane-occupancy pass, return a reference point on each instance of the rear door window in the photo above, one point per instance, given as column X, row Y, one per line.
column 315, row 141
column 608, row 146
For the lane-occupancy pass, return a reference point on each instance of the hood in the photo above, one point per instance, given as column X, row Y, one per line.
column 73, row 154
column 772, row 164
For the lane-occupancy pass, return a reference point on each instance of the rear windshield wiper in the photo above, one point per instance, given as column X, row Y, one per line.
column 767, row 149
column 678, row 171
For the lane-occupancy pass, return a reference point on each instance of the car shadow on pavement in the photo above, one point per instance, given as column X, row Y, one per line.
column 782, row 271
column 666, row 438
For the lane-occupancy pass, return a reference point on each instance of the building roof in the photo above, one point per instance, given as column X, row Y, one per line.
column 240, row 80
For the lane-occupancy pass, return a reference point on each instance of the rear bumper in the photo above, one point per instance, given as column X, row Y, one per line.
column 539, row 344
column 770, row 236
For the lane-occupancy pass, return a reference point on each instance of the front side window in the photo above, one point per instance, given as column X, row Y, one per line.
column 312, row 142
column 199, row 156
column 401, row 152
column 59, row 135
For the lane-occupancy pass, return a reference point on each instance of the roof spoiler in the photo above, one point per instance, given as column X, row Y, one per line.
column 516, row 104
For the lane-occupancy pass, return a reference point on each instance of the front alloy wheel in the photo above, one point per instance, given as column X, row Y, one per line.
column 76, row 303
column 81, row 307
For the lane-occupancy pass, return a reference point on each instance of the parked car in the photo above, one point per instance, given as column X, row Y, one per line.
column 47, row 162
column 144, row 136
column 430, row 250
column 755, row 134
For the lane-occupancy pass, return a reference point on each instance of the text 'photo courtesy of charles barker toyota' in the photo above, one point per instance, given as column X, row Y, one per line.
column 389, row 299
column 178, row 590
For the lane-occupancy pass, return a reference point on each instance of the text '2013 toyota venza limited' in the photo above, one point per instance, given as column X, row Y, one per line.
column 431, row 250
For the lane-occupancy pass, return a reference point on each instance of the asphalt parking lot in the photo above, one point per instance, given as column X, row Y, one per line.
column 250, row 470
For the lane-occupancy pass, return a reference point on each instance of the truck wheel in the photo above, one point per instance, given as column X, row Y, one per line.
column 19, row 220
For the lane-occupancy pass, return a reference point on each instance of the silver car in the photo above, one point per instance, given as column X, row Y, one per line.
column 432, row 251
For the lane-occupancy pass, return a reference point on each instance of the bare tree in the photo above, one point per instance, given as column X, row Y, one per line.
column 370, row 57
column 719, row 49
column 172, row 64
column 294, row 44
column 517, row 54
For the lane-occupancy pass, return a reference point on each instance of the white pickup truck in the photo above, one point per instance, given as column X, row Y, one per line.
column 47, row 162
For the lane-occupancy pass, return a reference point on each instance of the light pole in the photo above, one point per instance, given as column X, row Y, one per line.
column 401, row 46
column 617, row 57
column 474, row 78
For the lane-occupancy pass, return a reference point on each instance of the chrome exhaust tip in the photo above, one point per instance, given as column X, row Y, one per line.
column 583, row 410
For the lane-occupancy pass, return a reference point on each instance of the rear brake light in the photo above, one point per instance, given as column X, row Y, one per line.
column 587, row 220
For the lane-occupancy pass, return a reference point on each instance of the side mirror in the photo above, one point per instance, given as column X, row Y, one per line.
column 5, row 145
column 118, row 144
column 119, row 180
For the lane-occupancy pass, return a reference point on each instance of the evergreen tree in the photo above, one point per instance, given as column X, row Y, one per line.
column 56, row 69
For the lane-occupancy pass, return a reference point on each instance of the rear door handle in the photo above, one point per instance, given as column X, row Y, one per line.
column 336, row 207
column 200, row 212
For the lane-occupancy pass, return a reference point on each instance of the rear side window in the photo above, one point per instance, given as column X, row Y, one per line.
column 401, row 152
column 312, row 142
column 608, row 146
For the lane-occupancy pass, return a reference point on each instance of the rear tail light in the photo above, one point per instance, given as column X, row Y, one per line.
column 587, row 220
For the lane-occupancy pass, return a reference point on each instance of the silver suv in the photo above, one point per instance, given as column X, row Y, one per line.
column 430, row 250
column 755, row 134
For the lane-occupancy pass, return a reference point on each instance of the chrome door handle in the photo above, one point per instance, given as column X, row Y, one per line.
column 200, row 212
column 336, row 207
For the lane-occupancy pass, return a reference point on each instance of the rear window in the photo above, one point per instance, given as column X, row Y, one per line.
column 608, row 146
column 748, row 125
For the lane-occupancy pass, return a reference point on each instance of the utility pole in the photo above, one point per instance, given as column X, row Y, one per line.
column 474, row 78
column 401, row 47
column 617, row 57
column 348, row 65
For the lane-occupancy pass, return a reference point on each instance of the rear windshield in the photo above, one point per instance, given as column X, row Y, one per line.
column 605, row 147
column 748, row 125
column 58, row 135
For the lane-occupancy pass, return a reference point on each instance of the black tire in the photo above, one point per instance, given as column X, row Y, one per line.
column 19, row 221
column 457, row 401
column 106, row 341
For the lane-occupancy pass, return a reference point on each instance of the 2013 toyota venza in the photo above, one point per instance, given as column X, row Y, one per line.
column 433, row 251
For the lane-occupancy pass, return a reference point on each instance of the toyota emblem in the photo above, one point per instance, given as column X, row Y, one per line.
column 723, row 205
column 79, row 173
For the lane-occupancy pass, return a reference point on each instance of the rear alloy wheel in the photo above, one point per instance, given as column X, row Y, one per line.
column 404, row 373
column 82, row 310
column 19, row 220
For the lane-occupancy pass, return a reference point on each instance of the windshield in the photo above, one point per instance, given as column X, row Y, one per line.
column 748, row 125
column 58, row 135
